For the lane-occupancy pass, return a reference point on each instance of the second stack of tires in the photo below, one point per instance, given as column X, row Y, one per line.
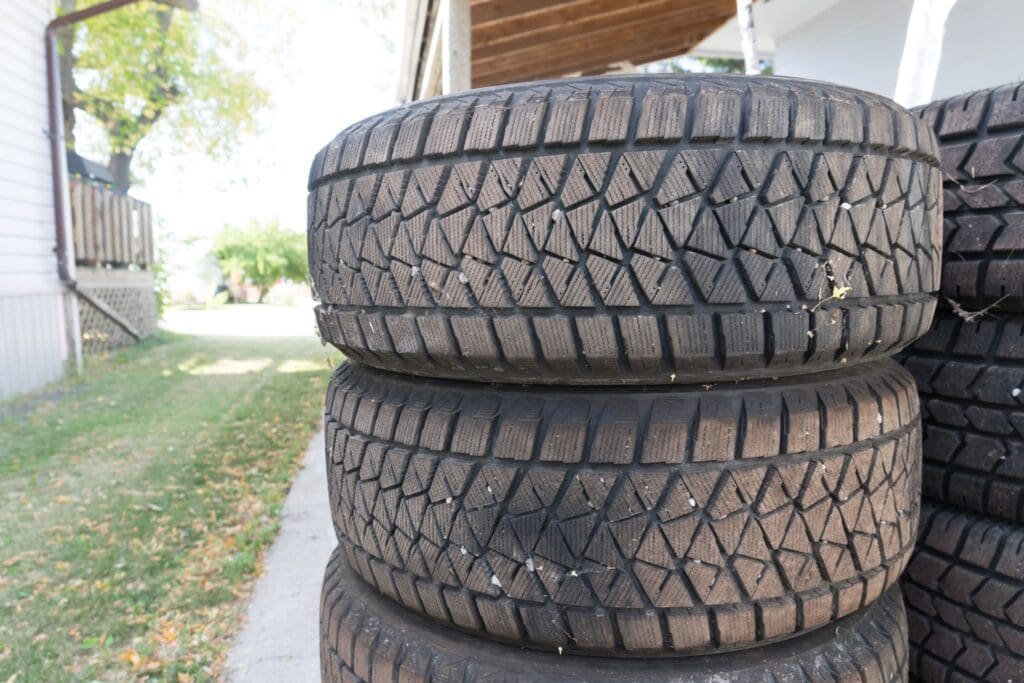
column 965, row 585
column 618, row 381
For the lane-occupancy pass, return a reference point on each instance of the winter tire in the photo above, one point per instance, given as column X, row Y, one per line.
column 647, row 229
column 366, row 638
column 983, row 173
column 616, row 521
column 965, row 598
column 969, row 374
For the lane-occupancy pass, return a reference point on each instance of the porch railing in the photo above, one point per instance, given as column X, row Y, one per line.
column 110, row 229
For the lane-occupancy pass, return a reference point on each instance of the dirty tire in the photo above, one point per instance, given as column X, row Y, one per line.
column 649, row 229
column 970, row 375
column 964, row 589
column 365, row 637
column 983, row 176
column 612, row 521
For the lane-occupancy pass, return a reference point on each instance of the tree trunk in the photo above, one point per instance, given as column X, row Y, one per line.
column 120, row 168
column 263, row 293
column 66, row 60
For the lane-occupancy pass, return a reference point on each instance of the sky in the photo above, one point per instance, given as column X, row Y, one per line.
column 340, row 65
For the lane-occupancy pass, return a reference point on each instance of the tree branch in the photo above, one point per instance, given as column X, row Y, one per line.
column 93, row 105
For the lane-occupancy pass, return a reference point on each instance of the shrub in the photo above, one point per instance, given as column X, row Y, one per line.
column 261, row 255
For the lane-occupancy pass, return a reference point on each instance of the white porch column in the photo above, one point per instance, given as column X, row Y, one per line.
column 922, row 50
column 446, row 68
column 748, row 37
column 455, row 72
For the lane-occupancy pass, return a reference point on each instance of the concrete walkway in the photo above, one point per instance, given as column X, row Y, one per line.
column 280, row 640
column 242, row 320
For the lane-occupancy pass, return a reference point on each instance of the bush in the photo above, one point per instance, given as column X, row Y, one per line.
column 261, row 255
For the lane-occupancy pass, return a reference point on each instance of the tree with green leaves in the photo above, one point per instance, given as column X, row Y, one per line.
column 262, row 255
column 717, row 65
column 151, row 63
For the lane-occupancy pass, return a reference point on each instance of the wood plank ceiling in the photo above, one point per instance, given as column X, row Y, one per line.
column 521, row 40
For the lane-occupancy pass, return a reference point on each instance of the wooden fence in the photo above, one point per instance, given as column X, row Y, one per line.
column 110, row 228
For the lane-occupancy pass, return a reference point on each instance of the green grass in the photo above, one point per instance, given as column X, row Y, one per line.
column 136, row 502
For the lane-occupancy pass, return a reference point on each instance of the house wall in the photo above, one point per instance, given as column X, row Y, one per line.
column 983, row 46
column 857, row 44
column 33, row 346
column 860, row 43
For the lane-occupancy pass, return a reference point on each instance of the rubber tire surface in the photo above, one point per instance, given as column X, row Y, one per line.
column 365, row 637
column 983, row 172
column 964, row 589
column 645, row 229
column 970, row 376
column 612, row 521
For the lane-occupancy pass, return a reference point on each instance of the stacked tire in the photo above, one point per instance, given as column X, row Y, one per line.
column 618, row 403
column 965, row 586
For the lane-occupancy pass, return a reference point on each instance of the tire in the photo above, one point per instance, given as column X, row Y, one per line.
column 969, row 375
column 647, row 229
column 979, row 135
column 964, row 589
column 365, row 637
column 614, row 521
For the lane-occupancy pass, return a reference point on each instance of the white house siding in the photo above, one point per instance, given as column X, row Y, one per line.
column 33, row 347
column 983, row 46
column 859, row 43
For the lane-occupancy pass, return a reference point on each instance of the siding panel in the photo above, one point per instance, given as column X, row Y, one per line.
column 33, row 327
column 32, row 344
column 30, row 212
column 26, row 207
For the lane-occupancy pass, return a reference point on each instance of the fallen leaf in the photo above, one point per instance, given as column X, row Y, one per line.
column 132, row 657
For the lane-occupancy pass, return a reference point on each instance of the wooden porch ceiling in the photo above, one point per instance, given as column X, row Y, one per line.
column 522, row 40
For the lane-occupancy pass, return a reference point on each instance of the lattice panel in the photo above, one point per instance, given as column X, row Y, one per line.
column 136, row 304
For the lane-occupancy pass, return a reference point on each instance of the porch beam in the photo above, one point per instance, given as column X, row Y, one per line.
column 591, row 52
column 581, row 18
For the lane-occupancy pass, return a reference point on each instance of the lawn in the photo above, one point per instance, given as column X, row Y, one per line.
column 137, row 500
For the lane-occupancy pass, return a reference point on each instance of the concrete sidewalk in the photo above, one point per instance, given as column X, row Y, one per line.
column 280, row 640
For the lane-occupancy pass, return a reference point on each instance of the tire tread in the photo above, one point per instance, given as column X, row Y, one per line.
column 981, row 136
column 967, row 373
column 363, row 639
column 749, row 514
column 558, row 209
column 964, row 589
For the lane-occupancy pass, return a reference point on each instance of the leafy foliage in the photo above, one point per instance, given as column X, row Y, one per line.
column 261, row 255
column 688, row 64
column 161, row 286
column 729, row 65
column 150, row 62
